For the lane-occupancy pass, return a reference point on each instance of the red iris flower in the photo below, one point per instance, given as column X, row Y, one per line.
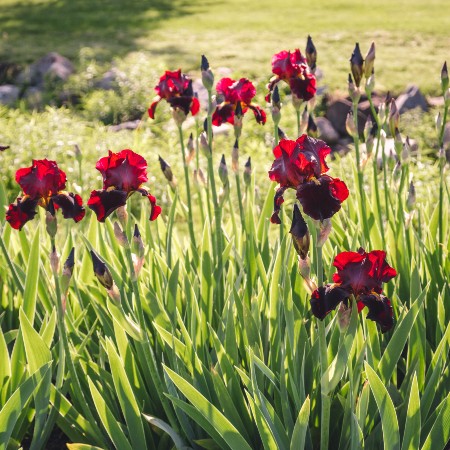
column 234, row 92
column 43, row 185
column 360, row 274
column 123, row 174
column 301, row 165
column 294, row 70
column 176, row 89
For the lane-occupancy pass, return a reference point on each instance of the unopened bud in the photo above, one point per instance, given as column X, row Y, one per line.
column 281, row 134
column 369, row 144
column 356, row 65
column 165, row 169
column 122, row 215
column 190, row 148
column 394, row 117
column 101, row 271
column 411, row 201
column 223, row 194
column 201, row 177
column 54, row 260
column 369, row 61
column 353, row 91
column 398, row 142
column 238, row 119
column 444, row 78
column 235, row 157
column 370, row 83
column 311, row 54
column 51, row 224
column 121, row 237
column 383, row 138
column 350, row 124
column 406, row 151
column 223, row 171
column 296, row 101
column 248, row 171
column 67, row 272
column 114, row 293
column 312, row 127
column 179, row 116
column 300, row 233
column 206, row 149
column 324, row 231
column 344, row 315
column 276, row 106
column 382, row 112
column 207, row 75
column 77, row 152
column 138, row 245
column 368, row 127
column 396, row 173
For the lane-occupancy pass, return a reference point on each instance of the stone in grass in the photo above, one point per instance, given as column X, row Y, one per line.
column 33, row 97
column 410, row 99
column 337, row 110
column 51, row 67
column 9, row 94
column 326, row 130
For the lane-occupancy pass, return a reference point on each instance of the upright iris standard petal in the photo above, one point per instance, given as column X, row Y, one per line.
column 43, row 185
column 176, row 88
column 21, row 212
column 123, row 174
column 363, row 272
column 42, row 180
column 321, row 198
column 234, row 93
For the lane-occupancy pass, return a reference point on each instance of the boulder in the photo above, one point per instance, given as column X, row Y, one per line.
column 9, row 94
column 52, row 66
column 326, row 130
column 109, row 80
column 201, row 92
column 34, row 97
column 410, row 99
column 337, row 111
column 130, row 125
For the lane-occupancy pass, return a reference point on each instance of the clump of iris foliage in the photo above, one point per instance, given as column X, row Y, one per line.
column 188, row 310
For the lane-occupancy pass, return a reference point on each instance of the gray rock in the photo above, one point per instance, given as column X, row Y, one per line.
column 130, row 125
column 9, row 94
column 337, row 111
column 53, row 67
column 109, row 80
column 326, row 130
column 201, row 92
column 412, row 98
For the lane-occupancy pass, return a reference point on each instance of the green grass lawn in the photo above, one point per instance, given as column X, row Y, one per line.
column 411, row 35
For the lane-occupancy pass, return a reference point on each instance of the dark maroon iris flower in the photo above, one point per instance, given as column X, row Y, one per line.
column 301, row 165
column 43, row 185
column 234, row 92
column 294, row 70
column 176, row 89
column 123, row 174
column 359, row 274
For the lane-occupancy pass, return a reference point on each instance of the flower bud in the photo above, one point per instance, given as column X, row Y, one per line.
column 121, row 237
column 51, row 223
column 137, row 243
column 206, row 149
column 368, row 127
column 165, row 169
column 276, row 106
column 396, row 173
column 300, row 233
column 207, row 75
column 406, row 151
column 201, row 177
column 382, row 112
column 223, row 171
column 350, row 124
column 398, row 142
column 444, row 78
column 324, row 231
column 101, row 271
column 356, row 65
column 312, row 127
column 344, row 314
column 296, row 101
column 238, row 117
column 248, row 172
column 353, row 91
column 67, row 272
column 394, row 117
column 411, row 201
column 54, row 260
column 370, row 83
column 311, row 54
column 235, row 157
column 369, row 61
column 122, row 215
column 190, row 148
column 223, row 194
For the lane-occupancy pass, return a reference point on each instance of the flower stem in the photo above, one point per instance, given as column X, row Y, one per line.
column 441, row 184
column 188, row 188
column 299, row 121
column 325, row 399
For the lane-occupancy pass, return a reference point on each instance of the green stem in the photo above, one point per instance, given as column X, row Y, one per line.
column 441, row 184
column 241, row 206
column 150, row 359
column 299, row 121
column 188, row 188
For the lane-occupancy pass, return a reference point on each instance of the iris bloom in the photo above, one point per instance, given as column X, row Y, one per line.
column 234, row 92
column 123, row 174
column 176, row 89
column 294, row 70
column 301, row 165
column 43, row 184
column 359, row 274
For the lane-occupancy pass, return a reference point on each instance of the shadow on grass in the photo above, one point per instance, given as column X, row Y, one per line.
column 34, row 27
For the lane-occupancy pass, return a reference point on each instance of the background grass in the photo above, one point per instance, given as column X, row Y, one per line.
column 411, row 35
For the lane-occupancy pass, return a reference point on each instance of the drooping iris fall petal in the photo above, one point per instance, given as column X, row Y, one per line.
column 104, row 202
column 19, row 213
column 380, row 310
column 326, row 298
column 71, row 205
column 322, row 197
